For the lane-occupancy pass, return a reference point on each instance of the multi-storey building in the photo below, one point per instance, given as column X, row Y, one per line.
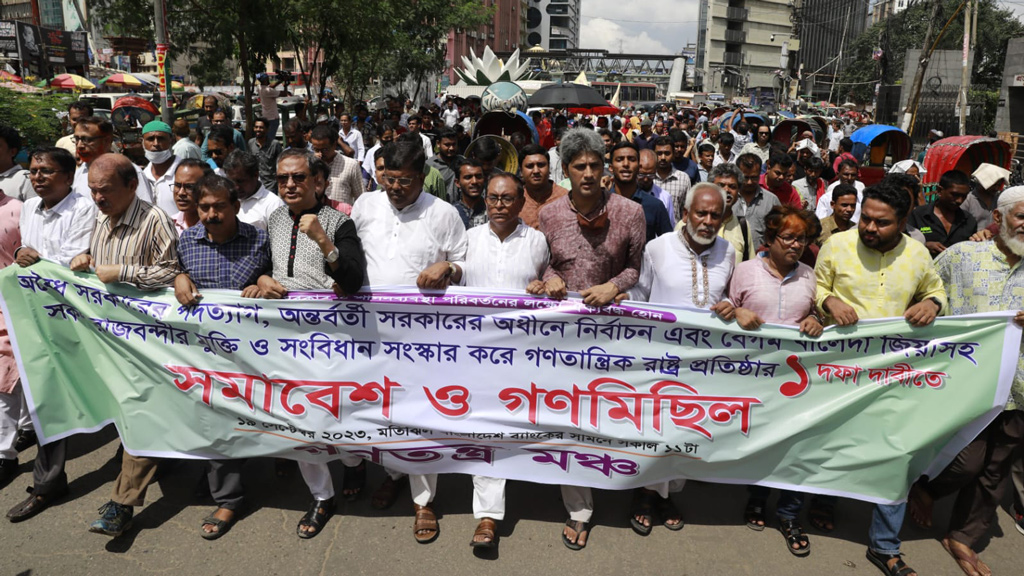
column 740, row 44
column 827, row 29
column 553, row 24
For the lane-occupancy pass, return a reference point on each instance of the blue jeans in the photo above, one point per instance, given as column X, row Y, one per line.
column 884, row 533
column 789, row 504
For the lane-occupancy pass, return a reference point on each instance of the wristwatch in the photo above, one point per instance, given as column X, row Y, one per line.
column 451, row 269
column 937, row 302
column 332, row 256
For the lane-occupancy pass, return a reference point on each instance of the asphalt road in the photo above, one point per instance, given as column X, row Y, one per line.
column 360, row 540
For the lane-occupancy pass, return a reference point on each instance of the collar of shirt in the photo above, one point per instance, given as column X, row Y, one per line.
column 673, row 176
column 519, row 231
column 61, row 207
column 314, row 210
column 244, row 231
column 168, row 175
column 12, row 171
column 130, row 218
column 420, row 204
column 763, row 258
column 258, row 195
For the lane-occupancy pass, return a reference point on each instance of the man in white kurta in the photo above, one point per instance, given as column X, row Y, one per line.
column 503, row 253
column 689, row 268
column 410, row 239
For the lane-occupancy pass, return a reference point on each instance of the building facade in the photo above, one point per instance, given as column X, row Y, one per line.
column 827, row 28
column 504, row 33
column 740, row 44
column 553, row 24
column 882, row 9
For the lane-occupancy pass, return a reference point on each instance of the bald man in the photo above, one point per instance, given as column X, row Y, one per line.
column 645, row 181
column 134, row 242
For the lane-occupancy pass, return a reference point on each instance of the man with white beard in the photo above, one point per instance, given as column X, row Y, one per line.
column 981, row 277
column 688, row 268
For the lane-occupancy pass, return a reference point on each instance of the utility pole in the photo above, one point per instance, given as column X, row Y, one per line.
column 839, row 63
column 161, row 48
column 922, row 66
column 965, row 75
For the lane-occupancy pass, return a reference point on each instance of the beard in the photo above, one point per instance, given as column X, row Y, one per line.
column 1010, row 239
column 694, row 233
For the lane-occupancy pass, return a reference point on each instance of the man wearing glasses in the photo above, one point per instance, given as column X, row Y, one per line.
column 506, row 253
column 218, row 145
column 410, row 238
column 257, row 202
column 312, row 247
column 187, row 174
column 94, row 136
column 761, row 146
column 56, row 225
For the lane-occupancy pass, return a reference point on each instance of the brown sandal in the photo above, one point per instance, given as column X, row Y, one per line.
column 425, row 529
column 487, row 528
column 386, row 495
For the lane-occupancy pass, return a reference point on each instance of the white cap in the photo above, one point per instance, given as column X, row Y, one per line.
column 988, row 175
column 1010, row 197
column 937, row 133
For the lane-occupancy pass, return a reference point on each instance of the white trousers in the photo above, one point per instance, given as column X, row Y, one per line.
column 423, row 488
column 665, row 488
column 318, row 479
column 488, row 497
column 13, row 414
column 579, row 502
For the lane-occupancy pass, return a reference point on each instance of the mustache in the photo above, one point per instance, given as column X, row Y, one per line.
column 214, row 220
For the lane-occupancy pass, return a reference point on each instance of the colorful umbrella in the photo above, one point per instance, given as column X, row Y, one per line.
column 122, row 79
column 71, row 82
column 6, row 76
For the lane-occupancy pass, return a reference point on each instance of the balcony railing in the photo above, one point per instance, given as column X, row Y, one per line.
column 736, row 13
column 733, row 58
column 737, row 36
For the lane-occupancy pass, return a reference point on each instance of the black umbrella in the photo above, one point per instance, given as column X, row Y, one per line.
column 567, row 96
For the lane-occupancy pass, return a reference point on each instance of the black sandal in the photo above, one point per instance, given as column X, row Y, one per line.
column 794, row 534
column 643, row 507
column 580, row 528
column 354, row 481
column 822, row 514
column 900, row 568
column 317, row 516
column 753, row 514
column 222, row 526
column 667, row 510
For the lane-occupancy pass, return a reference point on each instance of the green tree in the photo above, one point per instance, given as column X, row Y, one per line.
column 906, row 30
column 34, row 116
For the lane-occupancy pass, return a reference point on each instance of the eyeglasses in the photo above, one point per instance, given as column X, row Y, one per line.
column 403, row 182
column 645, row 175
column 180, row 186
column 42, row 171
column 791, row 240
column 282, row 179
column 505, row 201
column 86, row 139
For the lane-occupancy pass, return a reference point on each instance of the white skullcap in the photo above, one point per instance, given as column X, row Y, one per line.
column 902, row 166
column 1010, row 197
column 988, row 175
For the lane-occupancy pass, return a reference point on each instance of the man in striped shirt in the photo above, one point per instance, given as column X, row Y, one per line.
column 133, row 242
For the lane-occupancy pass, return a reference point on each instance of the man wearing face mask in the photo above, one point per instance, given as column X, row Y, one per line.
column 157, row 141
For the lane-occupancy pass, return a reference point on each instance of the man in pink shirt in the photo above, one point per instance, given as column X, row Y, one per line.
column 776, row 288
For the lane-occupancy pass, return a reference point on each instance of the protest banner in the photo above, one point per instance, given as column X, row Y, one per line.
column 507, row 385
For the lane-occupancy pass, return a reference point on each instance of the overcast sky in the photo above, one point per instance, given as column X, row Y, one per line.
column 652, row 26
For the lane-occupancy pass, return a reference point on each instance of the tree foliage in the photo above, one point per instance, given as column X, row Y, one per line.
column 906, row 30
column 34, row 116
column 349, row 42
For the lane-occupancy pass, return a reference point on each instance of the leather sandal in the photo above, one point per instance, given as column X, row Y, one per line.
column 580, row 528
column 487, row 528
column 221, row 527
column 354, row 481
column 666, row 510
column 34, row 504
column 754, row 514
column 317, row 516
column 425, row 527
column 387, row 494
column 642, row 508
column 900, row 568
column 794, row 534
